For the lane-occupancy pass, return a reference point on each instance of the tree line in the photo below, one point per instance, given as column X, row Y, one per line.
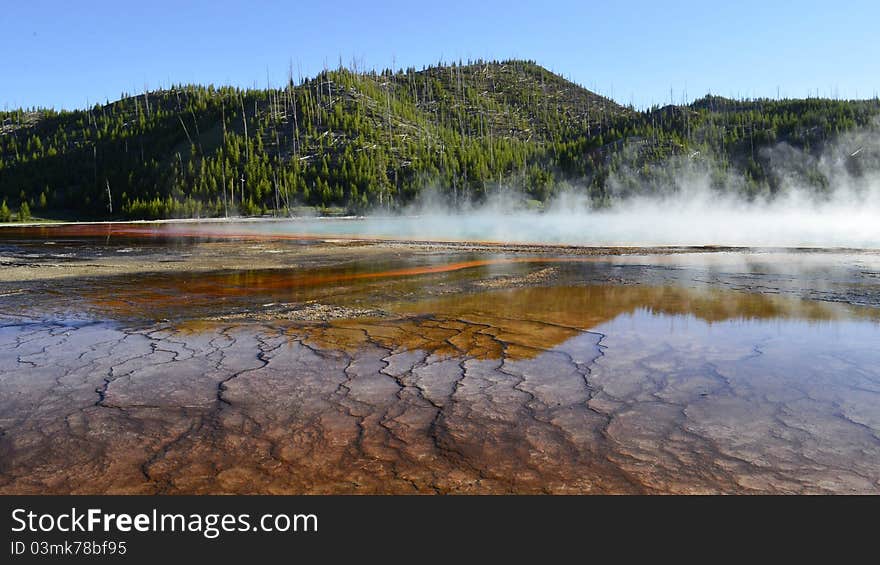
column 353, row 141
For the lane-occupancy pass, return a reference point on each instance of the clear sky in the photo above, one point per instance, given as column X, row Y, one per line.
column 66, row 54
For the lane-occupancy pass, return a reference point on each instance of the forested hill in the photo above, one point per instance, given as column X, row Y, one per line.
column 364, row 140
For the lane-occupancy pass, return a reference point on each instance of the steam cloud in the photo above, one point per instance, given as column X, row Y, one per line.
column 692, row 205
column 696, row 207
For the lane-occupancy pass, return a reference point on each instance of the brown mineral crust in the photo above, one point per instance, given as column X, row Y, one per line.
column 457, row 398
column 303, row 371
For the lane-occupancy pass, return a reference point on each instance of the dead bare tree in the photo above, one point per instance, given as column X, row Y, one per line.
column 147, row 100
column 223, row 122
column 244, row 122
column 185, row 130
column 292, row 94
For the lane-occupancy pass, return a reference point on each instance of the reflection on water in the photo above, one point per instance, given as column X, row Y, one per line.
column 575, row 292
column 771, row 405
column 438, row 372
column 558, row 388
column 146, row 295
column 525, row 321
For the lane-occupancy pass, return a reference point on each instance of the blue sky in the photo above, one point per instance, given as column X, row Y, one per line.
column 66, row 54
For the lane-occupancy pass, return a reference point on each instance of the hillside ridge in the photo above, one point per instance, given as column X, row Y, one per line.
column 357, row 141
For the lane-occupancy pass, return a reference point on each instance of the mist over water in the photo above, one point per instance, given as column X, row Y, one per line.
column 829, row 200
column 642, row 222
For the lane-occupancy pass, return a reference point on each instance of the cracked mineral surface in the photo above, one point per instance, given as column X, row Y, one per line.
column 131, row 364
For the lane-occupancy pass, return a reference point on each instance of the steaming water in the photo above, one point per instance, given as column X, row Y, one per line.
column 688, row 208
column 632, row 226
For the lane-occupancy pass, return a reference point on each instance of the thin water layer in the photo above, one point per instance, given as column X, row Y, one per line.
column 715, row 224
column 388, row 369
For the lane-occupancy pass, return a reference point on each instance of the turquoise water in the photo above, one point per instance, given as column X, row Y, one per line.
column 632, row 228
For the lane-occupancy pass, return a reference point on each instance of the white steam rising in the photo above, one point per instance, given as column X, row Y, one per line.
column 696, row 207
column 694, row 221
column 692, row 206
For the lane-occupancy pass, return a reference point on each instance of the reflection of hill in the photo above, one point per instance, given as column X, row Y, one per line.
column 520, row 322
column 515, row 323
column 152, row 293
column 586, row 307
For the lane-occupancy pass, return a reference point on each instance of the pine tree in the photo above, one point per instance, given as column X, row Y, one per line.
column 24, row 212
